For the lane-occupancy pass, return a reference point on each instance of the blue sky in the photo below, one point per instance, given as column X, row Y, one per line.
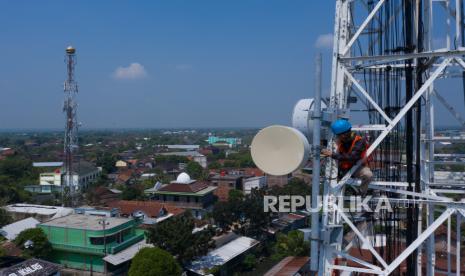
column 241, row 63
column 207, row 63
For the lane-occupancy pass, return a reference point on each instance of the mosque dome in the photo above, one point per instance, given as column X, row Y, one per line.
column 183, row 178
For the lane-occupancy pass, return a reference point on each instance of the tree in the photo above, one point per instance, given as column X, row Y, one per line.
column 34, row 243
column 16, row 167
column 194, row 170
column 15, row 172
column 254, row 220
column 133, row 192
column 214, row 165
column 249, row 262
column 242, row 159
column 223, row 214
column 296, row 186
column 175, row 236
column 292, row 244
column 5, row 218
column 231, row 164
column 153, row 262
column 107, row 161
column 244, row 211
column 235, row 195
column 226, row 213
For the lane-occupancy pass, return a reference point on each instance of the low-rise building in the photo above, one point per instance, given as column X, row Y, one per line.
column 232, row 142
column 11, row 231
column 181, row 147
column 82, row 242
column 7, row 151
column 186, row 193
column 191, row 155
column 83, row 175
column 223, row 258
column 43, row 189
column 150, row 212
column 97, row 211
column 226, row 182
column 288, row 222
column 42, row 213
column 102, row 196
column 256, row 182
column 277, row 180
column 120, row 164
column 33, row 267
column 290, row 266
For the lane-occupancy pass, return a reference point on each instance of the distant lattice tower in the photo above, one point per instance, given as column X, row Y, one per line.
column 71, row 128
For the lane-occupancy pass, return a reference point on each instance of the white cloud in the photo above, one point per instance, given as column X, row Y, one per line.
column 133, row 71
column 324, row 41
column 183, row 67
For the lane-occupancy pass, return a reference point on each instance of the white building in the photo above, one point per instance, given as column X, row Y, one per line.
column 85, row 173
column 194, row 155
column 254, row 182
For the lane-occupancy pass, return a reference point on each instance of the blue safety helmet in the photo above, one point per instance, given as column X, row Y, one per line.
column 340, row 126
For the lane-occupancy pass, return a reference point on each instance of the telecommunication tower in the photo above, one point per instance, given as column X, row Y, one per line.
column 71, row 129
column 388, row 58
column 390, row 55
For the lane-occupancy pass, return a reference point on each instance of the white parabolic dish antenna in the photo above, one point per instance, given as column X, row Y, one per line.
column 280, row 150
column 301, row 119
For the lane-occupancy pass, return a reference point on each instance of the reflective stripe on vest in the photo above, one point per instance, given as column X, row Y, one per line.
column 347, row 165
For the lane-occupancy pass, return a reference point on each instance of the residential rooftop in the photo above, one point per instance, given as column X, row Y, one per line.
column 150, row 208
column 47, row 164
column 288, row 266
column 11, row 231
column 226, row 176
column 222, row 255
column 37, row 209
column 183, row 153
column 86, row 222
column 183, row 192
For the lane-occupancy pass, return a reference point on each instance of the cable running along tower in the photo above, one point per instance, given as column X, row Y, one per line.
column 71, row 130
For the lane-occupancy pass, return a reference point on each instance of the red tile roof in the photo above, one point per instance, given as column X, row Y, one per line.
column 222, row 192
column 185, row 188
column 151, row 208
column 253, row 171
column 288, row 266
column 124, row 176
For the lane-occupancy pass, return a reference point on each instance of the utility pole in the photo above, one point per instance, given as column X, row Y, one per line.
column 316, row 117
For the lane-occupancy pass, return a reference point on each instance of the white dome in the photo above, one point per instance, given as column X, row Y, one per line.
column 183, row 178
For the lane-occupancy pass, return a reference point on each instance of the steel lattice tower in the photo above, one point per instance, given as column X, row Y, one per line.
column 384, row 54
column 71, row 129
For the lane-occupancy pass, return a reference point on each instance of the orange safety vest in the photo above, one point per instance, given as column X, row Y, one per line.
column 347, row 165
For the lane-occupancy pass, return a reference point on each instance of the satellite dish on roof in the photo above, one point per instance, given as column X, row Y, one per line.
column 280, row 150
column 301, row 119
